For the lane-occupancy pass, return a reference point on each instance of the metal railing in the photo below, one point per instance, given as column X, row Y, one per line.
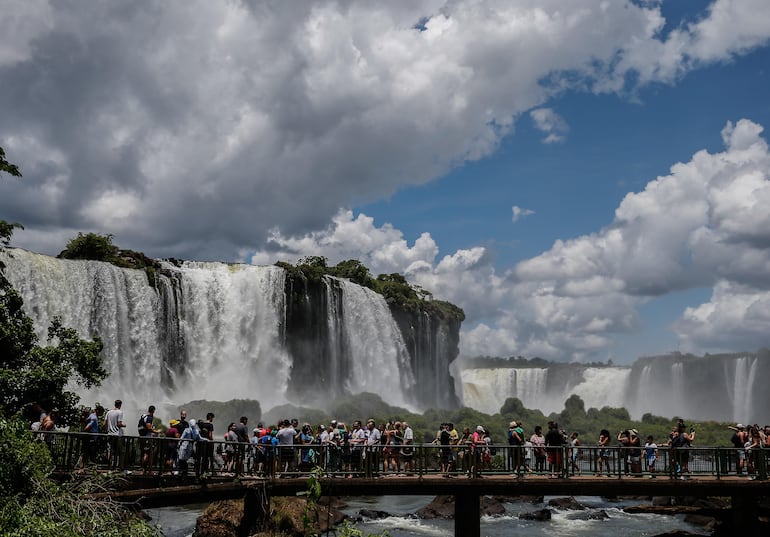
column 157, row 456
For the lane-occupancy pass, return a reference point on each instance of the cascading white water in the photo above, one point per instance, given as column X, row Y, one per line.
column 603, row 386
column 97, row 299
column 335, row 327
column 487, row 389
column 378, row 356
column 744, row 374
column 230, row 320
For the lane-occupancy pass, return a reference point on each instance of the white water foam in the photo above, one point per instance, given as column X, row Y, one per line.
column 487, row 389
column 378, row 357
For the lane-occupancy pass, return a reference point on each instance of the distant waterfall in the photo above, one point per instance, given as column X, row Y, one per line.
column 743, row 386
column 603, row 386
column 487, row 389
column 727, row 387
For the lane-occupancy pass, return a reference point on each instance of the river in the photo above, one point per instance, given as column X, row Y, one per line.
column 180, row 521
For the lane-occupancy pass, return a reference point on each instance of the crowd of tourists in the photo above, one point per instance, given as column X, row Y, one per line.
column 373, row 449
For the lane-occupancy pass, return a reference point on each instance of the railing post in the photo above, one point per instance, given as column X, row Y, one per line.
column 467, row 515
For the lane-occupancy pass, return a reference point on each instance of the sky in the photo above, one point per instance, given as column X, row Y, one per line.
column 588, row 180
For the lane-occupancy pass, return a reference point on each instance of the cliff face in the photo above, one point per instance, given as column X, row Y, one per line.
column 432, row 340
column 329, row 332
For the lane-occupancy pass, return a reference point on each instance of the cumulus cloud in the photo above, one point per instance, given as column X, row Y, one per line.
column 195, row 128
column 702, row 225
column 211, row 130
column 519, row 213
column 550, row 123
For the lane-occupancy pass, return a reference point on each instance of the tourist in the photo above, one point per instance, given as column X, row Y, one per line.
column 650, row 455
column 114, row 424
column 407, row 451
column 445, row 456
column 624, row 439
column 231, row 441
column 47, row 426
column 465, row 454
column 285, row 437
column 307, row 455
column 207, row 432
column 515, row 440
column 373, row 438
column 574, row 453
column 754, row 451
column 527, row 451
column 395, row 439
column 146, row 431
column 242, row 432
column 635, row 453
column 680, row 443
column 187, row 445
column 172, row 446
column 357, row 442
column 554, row 442
column 538, row 447
column 183, row 424
column 738, row 440
column 603, row 453
column 477, row 445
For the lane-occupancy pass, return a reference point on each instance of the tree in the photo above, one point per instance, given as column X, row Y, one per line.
column 90, row 246
column 31, row 503
column 6, row 229
column 7, row 167
column 29, row 373
column 355, row 271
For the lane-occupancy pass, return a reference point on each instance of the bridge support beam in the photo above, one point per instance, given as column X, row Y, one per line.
column 745, row 510
column 467, row 515
column 256, row 511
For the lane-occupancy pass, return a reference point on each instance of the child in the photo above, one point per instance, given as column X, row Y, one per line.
column 650, row 455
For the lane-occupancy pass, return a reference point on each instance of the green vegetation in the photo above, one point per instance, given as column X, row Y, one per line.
column 574, row 417
column 393, row 287
column 96, row 247
column 34, row 376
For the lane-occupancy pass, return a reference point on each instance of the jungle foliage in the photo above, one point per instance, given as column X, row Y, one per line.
column 34, row 377
column 394, row 287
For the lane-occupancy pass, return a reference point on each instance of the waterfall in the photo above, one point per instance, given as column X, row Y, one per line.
column 745, row 369
column 230, row 319
column 378, row 357
column 206, row 330
column 487, row 389
column 602, row 386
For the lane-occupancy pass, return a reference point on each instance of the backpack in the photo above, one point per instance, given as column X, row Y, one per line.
column 142, row 425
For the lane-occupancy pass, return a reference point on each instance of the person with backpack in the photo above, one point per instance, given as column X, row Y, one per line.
column 738, row 440
column 146, row 431
column 516, row 440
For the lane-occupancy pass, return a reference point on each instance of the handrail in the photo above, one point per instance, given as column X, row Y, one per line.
column 72, row 452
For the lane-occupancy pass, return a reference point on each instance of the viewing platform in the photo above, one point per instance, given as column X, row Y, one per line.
column 208, row 476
